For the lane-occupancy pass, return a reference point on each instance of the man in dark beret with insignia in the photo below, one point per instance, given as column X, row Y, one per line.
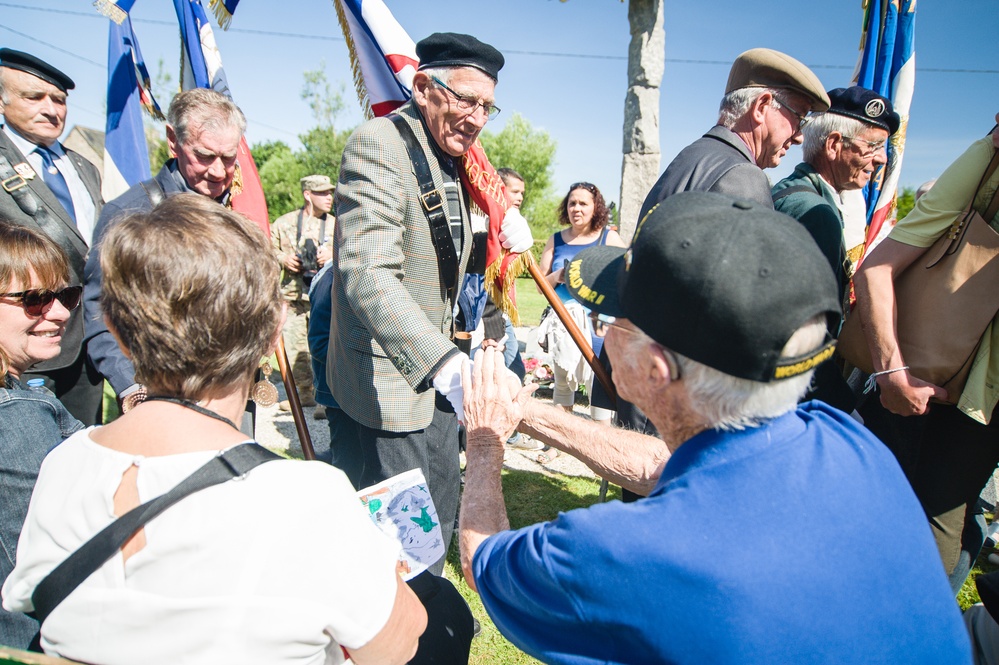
column 842, row 148
column 52, row 189
column 400, row 250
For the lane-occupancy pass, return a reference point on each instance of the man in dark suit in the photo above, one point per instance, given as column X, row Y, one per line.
column 53, row 190
column 393, row 368
column 203, row 132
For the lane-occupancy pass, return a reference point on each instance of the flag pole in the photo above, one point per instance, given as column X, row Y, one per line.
column 574, row 332
column 296, row 406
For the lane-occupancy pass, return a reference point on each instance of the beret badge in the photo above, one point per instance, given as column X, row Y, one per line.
column 874, row 108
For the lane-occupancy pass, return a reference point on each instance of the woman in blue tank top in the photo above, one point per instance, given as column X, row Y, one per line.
column 585, row 215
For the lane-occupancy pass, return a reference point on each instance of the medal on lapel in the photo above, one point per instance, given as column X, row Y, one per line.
column 24, row 170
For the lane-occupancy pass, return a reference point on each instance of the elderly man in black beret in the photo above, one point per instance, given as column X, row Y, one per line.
column 402, row 242
column 54, row 190
column 842, row 148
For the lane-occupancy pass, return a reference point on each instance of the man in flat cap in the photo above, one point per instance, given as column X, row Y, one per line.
column 203, row 132
column 399, row 255
column 767, row 97
column 54, row 190
column 819, row 499
column 766, row 100
column 301, row 240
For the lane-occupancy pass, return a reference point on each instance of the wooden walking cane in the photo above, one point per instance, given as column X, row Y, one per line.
column 574, row 331
column 296, row 406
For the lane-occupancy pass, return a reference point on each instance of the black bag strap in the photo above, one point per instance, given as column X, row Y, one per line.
column 90, row 556
column 787, row 191
column 154, row 191
column 16, row 185
column 433, row 206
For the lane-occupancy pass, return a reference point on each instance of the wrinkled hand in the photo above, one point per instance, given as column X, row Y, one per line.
column 493, row 343
column 494, row 399
column 448, row 383
column 515, row 234
column 292, row 263
column 324, row 254
column 906, row 395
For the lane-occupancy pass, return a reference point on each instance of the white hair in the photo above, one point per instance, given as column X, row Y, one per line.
column 821, row 125
column 3, row 88
column 735, row 104
column 730, row 403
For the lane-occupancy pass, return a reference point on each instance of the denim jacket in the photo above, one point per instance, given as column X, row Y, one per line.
column 31, row 424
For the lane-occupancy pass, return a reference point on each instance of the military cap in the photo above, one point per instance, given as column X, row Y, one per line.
column 28, row 63
column 450, row 49
column 723, row 281
column 766, row 68
column 864, row 105
column 317, row 183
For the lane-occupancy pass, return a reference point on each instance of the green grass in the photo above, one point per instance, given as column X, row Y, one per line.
column 968, row 595
column 530, row 303
column 530, row 498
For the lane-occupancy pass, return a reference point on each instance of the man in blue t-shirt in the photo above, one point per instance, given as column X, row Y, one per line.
column 717, row 316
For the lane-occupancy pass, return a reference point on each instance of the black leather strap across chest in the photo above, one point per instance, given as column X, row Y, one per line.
column 433, row 203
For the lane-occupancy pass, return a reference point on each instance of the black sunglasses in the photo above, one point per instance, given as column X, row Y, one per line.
column 590, row 187
column 34, row 301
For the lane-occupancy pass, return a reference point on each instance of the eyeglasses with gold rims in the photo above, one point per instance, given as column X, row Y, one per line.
column 467, row 104
column 873, row 147
column 35, row 301
column 603, row 321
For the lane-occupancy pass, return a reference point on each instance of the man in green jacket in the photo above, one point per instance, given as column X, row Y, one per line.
column 842, row 148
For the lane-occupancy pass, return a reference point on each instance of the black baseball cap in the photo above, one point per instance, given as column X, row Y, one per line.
column 723, row 281
column 28, row 63
column 451, row 49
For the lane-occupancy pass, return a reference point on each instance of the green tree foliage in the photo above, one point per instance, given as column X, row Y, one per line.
column 280, row 172
column 906, row 200
column 322, row 146
column 322, row 149
column 530, row 152
column 326, row 103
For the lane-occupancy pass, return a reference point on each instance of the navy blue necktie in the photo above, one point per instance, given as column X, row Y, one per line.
column 55, row 181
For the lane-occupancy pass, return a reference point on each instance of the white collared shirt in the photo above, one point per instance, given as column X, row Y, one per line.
column 84, row 205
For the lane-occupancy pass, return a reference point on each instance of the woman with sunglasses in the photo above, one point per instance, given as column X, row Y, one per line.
column 217, row 576
column 35, row 303
column 585, row 215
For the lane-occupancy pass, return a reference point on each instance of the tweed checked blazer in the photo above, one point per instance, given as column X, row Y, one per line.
column 391, row 326
column 64, row 233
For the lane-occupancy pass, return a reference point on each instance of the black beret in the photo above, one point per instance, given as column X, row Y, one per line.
column 864, row 105
column 450, row 49
column 29, row 63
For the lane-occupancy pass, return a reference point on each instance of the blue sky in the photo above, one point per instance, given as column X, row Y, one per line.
column 566, row 66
